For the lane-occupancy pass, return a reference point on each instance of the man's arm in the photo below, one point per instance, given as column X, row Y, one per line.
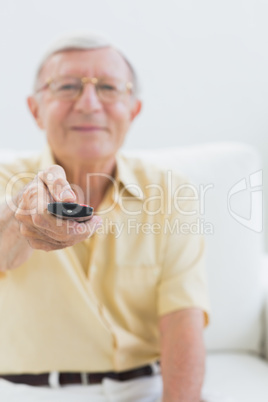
column 27, row 225
column 182, row 355
column 14, row 248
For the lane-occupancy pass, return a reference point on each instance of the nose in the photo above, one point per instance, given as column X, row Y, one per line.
column 88, row 101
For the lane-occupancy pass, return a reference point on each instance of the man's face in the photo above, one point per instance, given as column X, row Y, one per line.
column 85, row 127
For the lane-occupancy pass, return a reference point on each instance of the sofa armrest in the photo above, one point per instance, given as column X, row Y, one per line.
column 264, row 280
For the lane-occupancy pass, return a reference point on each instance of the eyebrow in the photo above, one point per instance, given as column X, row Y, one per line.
column 102, row 73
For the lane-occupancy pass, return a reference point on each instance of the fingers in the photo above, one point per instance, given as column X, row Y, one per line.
column 62, row 231
column 48, row 185
column 66, row 235
column 43, row 230
column 55, row 180
column 33, row 200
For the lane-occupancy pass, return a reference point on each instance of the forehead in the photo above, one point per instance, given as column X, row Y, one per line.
column 92, row 62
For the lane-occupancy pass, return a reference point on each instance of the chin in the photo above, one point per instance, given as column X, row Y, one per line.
column 94, row 152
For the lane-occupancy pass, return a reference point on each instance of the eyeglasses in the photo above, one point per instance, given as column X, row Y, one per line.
column 70, row 88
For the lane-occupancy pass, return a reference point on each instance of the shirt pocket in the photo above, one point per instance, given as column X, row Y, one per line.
column 138, row 284
column 144, row 275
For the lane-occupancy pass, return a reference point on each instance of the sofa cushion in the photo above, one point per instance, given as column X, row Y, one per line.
column 238, row 377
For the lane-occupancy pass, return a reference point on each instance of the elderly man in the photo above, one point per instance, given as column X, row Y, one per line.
column 111, row 308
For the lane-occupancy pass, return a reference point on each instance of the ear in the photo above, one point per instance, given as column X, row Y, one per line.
column 136, row 108
column 34, row 108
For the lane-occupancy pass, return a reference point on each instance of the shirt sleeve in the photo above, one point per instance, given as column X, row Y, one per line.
column 183, row 282
column 13, row 177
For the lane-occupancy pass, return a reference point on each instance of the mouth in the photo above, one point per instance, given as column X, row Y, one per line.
column 88, row 129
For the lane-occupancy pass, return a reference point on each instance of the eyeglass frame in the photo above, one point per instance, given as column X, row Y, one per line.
column 84, row 81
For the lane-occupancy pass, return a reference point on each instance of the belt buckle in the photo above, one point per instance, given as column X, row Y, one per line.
column 54, row 379
column 156, row 369
column 84, row 378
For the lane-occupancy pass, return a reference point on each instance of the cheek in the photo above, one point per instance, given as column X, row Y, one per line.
column 55, row 116
column 120, row 116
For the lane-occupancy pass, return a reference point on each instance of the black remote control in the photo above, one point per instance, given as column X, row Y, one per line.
column 70, row 210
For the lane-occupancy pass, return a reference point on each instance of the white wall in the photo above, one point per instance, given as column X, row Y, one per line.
column 203, row 65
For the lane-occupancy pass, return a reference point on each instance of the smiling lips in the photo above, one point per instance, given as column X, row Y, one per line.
column 88, row 128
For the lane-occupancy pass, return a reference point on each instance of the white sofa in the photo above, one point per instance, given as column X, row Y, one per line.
column 237, row 338
column 228, row 179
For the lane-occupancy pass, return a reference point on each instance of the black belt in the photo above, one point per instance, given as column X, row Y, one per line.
column 78, row 378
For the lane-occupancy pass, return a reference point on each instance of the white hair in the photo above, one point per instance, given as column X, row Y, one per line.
column 82, row 42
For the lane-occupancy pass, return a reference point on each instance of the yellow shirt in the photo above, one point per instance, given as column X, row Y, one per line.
column 95, row 306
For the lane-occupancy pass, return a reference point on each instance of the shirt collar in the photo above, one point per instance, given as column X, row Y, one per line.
column 125, row 175
column 47, row 158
